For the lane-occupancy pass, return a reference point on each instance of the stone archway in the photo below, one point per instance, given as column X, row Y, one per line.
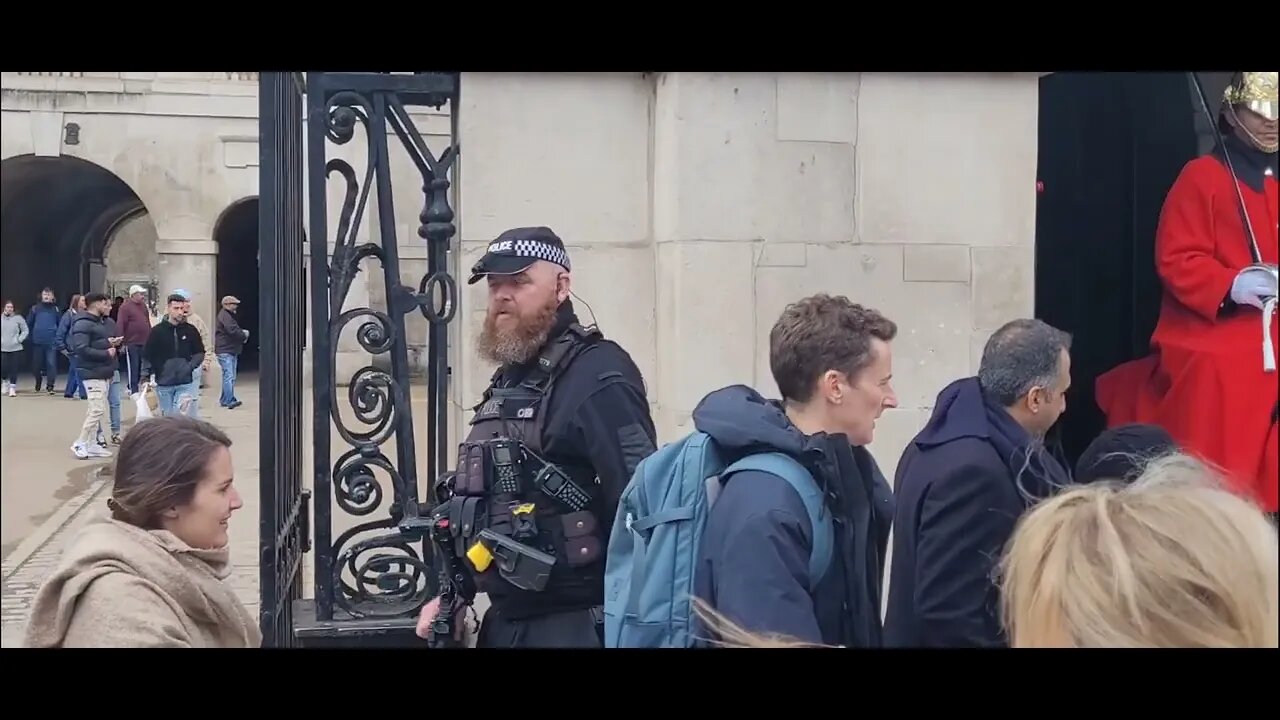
column 236, row 234
column 57, row 215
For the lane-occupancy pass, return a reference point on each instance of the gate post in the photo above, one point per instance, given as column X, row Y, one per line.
column 372, row 579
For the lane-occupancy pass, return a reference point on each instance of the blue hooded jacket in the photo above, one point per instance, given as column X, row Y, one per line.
column 43, row 319
column 754, row 557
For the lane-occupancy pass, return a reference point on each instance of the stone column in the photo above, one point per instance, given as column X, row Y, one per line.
column 190, row 265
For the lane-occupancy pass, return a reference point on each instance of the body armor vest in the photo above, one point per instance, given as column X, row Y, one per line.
column 506, row 485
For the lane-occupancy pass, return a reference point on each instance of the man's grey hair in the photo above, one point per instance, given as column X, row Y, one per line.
column 1022, row 354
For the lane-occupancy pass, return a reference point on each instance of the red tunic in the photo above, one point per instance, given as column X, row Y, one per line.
column 1204, row 380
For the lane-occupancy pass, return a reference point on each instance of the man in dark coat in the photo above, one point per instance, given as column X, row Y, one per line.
column 964, row 481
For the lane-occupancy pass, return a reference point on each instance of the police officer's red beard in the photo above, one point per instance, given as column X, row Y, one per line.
column 514, row 335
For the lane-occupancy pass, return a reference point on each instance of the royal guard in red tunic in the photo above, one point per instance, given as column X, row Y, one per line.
column 1211, row 378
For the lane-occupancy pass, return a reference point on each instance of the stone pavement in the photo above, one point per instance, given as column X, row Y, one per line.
column 38, row 473
column 29, row 564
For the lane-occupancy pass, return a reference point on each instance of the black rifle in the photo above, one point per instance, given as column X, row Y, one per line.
column 457, row 587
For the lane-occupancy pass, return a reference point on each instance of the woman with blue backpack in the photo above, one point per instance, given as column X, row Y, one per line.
column 772, row 513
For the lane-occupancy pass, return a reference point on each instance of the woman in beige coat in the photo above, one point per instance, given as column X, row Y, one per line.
column 152, row 575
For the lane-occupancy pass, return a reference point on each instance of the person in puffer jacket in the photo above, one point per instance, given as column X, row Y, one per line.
column 42, row 321
column 61, row 342
column 95, row 353
column 173, row 352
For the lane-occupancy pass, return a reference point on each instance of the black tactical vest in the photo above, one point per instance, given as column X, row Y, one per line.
column 537, row 502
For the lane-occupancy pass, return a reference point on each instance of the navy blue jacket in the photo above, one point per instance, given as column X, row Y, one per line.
column 43, row 319
column 753, row 564
column 61, row 337
column 961, row 486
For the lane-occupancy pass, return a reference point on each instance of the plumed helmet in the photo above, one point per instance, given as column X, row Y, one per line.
column 1256, row 91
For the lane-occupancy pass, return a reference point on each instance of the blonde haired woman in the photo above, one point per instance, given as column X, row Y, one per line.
column 1172, row 560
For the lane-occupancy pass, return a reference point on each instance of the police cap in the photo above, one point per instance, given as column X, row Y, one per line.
column 516, row 249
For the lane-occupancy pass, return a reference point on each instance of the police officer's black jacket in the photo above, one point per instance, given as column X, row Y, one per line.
column 596, row 421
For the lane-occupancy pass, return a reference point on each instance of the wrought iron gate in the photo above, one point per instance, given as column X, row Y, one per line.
column 372, row 579
column 282, row 526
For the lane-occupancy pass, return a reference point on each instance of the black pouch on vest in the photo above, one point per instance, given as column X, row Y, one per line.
column 466, row 518
column 581, row 544
column 471, row 478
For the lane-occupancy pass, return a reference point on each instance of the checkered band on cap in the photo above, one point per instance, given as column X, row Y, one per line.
column 541, row 251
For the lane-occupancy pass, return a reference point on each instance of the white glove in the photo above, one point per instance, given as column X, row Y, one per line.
column 246, row 333
column 1253, row 286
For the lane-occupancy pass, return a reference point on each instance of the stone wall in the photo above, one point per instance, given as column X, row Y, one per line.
column 696, row 205
column 131, row 251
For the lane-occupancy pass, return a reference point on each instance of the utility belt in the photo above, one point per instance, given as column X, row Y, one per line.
column 516, row 518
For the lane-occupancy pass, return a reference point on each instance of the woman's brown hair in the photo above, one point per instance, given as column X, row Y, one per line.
column 160, row 463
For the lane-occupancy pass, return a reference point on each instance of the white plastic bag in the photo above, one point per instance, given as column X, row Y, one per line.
column 140, row 402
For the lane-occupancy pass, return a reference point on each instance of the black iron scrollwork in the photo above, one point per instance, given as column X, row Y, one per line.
column 376, row 568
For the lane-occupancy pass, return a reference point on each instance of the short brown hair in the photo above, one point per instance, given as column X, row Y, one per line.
column 821, row 333
column 160, row 463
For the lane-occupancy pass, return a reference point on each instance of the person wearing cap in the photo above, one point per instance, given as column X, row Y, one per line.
column 569, row 408
column 134, row 325
column 229, row 339
column 1210, row 379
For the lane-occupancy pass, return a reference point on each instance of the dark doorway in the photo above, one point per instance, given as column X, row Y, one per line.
column 237, row 237
column 57, row 214
column 1110, row 147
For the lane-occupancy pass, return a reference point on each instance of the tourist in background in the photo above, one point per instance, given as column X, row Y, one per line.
column 113, row 390
column 173, row 352
column 95, row 356
column 201, row 327
column 42, row 321
column 60, row 341
column 135, row 325
column 13, row 330
column 229, row 343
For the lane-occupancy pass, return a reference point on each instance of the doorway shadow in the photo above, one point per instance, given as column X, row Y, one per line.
column 237, row 237
column 1110, row 147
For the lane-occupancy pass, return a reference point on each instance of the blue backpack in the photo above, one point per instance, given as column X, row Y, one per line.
column 653, row 548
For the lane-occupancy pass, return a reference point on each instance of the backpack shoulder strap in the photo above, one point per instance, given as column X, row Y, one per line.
column 789, row 469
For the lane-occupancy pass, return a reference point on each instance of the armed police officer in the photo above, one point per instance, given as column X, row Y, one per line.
column 553, row 442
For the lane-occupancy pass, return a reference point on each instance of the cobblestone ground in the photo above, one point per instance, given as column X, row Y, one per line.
column 22, row 580
column 22, row 576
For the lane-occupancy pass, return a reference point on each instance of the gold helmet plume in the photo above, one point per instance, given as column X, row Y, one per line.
column 1256, row 91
